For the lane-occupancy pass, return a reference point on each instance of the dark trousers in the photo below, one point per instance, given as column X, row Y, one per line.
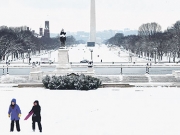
column 17, row 125
column 39, row 125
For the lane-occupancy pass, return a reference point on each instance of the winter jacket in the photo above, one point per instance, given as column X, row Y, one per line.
column 36, row 112
column 14, row 111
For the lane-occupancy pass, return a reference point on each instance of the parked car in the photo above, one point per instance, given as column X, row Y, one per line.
column 46, row 61
column 84, row 61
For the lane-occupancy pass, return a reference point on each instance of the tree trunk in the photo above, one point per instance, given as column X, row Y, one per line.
column 174, row 58
column 178, row 53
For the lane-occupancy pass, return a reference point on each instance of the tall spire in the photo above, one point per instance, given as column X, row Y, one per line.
column 92, row 22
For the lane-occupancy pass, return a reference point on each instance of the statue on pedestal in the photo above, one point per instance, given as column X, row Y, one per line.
column 62, row 38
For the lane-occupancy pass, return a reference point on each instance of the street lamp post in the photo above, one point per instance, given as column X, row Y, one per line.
column 7, row 69
column 23, row 57
column 121, row 69
column 148, row 55
column 169, row 57
column 91, row 62
column 131, row 58
column 29, row 50
column 91, row 50
column 3, row 69
column 91, row 54
column 155, row 55
column 147, row 68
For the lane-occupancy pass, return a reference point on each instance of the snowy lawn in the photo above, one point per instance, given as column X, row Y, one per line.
column 112, row 111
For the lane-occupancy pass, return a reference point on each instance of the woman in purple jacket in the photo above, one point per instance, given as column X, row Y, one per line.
column 15, row 114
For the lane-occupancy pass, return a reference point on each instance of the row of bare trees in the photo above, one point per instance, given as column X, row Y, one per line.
column 151, row 41
column 17, row 42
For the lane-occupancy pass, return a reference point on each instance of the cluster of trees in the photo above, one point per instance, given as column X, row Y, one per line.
column 151, row 41
column 17, row 42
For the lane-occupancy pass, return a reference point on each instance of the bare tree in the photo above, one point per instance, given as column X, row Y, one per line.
column 7, row 42
column 149, row 29
column 175, row 29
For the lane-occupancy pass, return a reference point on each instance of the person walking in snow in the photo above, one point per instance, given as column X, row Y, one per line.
column 15, row 114
column 36, row 117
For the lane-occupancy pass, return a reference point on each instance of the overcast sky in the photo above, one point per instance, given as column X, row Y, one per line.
column 74, row 15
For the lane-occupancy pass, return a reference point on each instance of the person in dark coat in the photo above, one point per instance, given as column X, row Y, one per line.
column 36, row 117
column 15, row 114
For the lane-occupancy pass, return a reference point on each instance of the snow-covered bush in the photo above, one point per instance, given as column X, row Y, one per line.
column 46, row 80
column 77, row 82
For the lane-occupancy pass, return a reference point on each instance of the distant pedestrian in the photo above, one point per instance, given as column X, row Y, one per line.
column 101, row 60
column 36, row 117
column 15, row 114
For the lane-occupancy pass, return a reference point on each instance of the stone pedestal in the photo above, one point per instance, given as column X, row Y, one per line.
column 90, row 44
column 63, row 66
column 176, row 74
column 36, row 74
column 90, row 71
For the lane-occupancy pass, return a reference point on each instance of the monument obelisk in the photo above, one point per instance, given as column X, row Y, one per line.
column 92, row 38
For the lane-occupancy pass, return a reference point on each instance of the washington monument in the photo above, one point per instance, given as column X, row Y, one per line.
column 92, row 24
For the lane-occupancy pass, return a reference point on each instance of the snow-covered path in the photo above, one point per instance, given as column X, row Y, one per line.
column 100, row 52
column 112, row 111
column 76, row 54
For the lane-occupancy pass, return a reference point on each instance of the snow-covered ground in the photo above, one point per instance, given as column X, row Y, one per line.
column 76, row 54
column 100, row 52
column 112, row 111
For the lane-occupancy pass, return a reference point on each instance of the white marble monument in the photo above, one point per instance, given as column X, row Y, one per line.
column 92, row 39
column 93, row 22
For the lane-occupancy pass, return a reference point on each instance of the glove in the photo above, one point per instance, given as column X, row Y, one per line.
column 9, row 115
column 19, row 115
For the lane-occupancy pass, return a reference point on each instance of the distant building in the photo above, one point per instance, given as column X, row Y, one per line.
column 33, row 31
column 21, row 28
column 47, row 30
column 40, row 31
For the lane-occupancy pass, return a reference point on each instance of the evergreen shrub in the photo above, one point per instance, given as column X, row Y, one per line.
column 77, row 82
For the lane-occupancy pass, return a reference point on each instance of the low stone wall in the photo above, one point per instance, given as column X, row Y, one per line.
column 176, row 74
column 21, row 85
column 106, row 85
column 135, row 79
column 167, row 78
column 106, row 79
column 110, row 78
